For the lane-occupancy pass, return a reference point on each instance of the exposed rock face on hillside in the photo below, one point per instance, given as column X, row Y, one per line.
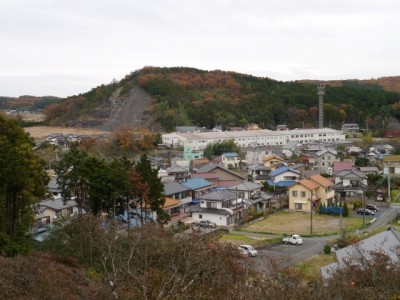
column 131, row 110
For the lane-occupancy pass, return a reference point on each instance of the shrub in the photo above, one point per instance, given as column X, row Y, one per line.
column 327, row 249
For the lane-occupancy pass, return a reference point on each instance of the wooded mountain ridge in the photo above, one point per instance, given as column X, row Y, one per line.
column 163, row 98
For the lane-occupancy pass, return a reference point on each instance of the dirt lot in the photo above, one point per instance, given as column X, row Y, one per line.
column 39, row 132
column 298, row 222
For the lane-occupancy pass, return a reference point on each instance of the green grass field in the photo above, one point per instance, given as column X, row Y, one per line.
column 311, row 267
column 300, row 223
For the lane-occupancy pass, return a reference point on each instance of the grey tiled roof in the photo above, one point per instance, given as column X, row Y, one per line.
column 215, row 211
column 386, row 242
column 57, row 204
column 174, row 187
column 219, row 195
column 246, row 186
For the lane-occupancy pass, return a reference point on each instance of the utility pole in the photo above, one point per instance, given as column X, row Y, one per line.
column 311, row 215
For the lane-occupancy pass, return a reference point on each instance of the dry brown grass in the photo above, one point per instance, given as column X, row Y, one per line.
column 39, row 132
column 299, row 223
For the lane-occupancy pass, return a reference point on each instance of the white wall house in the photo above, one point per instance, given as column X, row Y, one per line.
column 223, row 207
column 251, row 138
column 230, row 160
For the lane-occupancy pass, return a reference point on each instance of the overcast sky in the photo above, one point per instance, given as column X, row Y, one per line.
column 67, row 47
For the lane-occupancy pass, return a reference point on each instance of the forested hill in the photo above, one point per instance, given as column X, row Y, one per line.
column 391, row 84
column 30, row 103
column 187, row 96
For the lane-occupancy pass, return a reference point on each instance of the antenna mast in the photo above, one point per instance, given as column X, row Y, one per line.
column 321, row 93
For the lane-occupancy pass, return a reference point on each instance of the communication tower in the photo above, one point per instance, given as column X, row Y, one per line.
column 321, row 93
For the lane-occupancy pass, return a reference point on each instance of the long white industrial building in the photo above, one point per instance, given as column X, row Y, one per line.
column 251, row 138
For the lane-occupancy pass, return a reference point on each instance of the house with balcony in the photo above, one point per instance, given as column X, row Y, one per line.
column 177, row 191
column 190, row 154
column 324, row 190
column 310, row 193
column 350, row 128
column 179, row 173
column 253, row 195
column 230, row 160
column 258, row 172
column 222, row 207
column 391, row 165
column 349, row 185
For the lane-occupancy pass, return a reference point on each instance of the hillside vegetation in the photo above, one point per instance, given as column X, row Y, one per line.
column 187, row 96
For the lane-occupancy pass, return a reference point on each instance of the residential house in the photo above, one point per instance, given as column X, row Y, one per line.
column 324, row 190
column 292, row 148
column 310, row 193
column 256, row 155
column 222, row 207
column 303, row 195
column 283, row 177
column 325, row 159
column 338, row 166
column 374, row 156
column 55, row 139
column 354, row 151
column 197, row 186
column 180, row 162
column 384, row 243
column 369, row 170
column 197, row 163
column 272, row 161
column 253, row 195
column 190, row 154
column 177, row 191
column 384, row 148
column 218, row 175
column 230, row 160
column 281, row 127
column 349, row 185
column 54, row 209
column 258, row 172
column 53, row 188
column 180, row 174
column 350, row 128
column 172, row 208
column 391, row 165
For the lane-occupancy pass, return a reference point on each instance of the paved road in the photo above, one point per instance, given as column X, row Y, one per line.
column 287, row 255
column 384, row 217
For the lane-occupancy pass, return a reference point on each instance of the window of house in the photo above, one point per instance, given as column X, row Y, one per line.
column 200, row 216
column 298, row 206
column 294, row 193
column 303, row 194
column 213, row 204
